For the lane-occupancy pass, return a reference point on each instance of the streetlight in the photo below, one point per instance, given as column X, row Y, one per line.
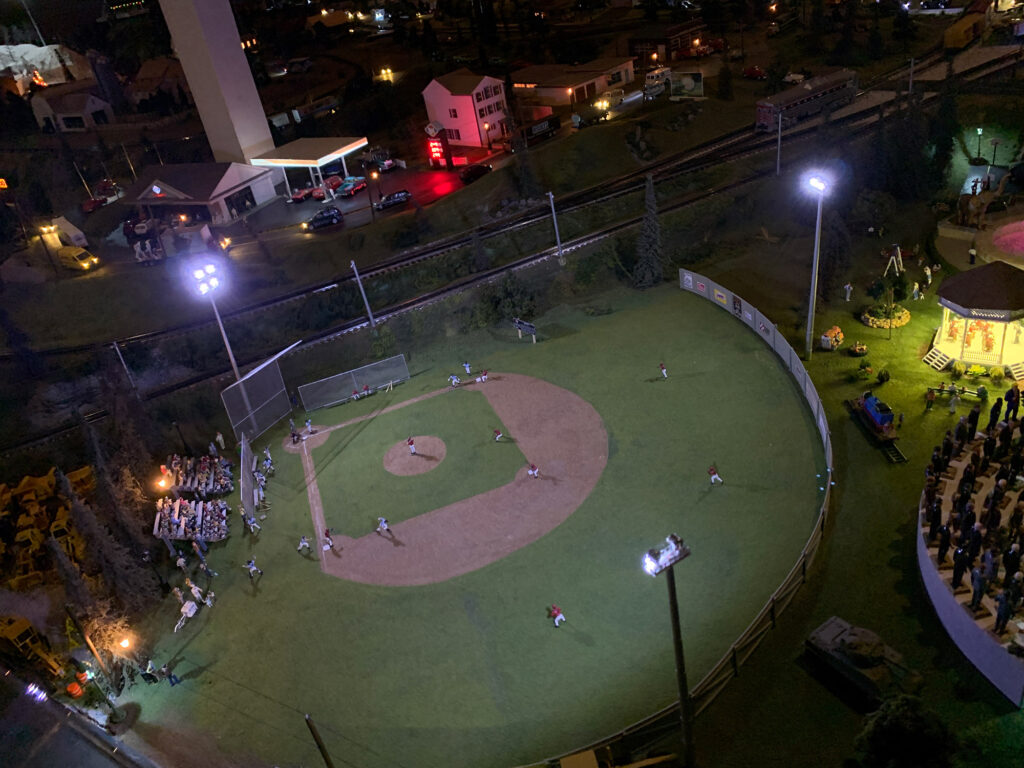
column 369, row 193
column 487, row 132
column 980, row 131
column 820, row 185
column 655, row 561
column 206, row 283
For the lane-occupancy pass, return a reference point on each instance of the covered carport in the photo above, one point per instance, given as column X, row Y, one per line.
column 311, row 153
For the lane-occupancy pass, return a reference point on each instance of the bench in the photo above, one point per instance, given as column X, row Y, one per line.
column 981, row 393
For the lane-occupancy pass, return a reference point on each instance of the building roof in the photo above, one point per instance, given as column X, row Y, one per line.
column 563, row 75
column 69, row 98
column 995, row 286
column 185, row 182
column 310, row 153
column 155, row 72
column 461, row 82
column 50, row 61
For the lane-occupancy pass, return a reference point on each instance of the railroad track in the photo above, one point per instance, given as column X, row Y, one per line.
column 730, row 147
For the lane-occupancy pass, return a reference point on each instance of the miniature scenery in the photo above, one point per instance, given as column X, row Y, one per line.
column 370, row 375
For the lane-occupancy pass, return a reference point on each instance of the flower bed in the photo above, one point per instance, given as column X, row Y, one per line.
column 874, row 317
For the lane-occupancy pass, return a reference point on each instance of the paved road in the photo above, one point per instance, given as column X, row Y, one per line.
column 42, row 735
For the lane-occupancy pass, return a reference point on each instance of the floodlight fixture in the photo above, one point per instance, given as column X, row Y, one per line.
column 658, row 559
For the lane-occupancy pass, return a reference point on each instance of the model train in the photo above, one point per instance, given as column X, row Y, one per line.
column 808, row 98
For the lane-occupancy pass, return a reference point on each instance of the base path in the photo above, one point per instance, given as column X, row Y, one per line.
column 555, row 429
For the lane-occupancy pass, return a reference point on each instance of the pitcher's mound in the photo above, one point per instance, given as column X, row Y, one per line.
column 430, row 452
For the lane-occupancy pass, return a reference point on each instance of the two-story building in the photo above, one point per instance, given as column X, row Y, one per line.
column 557, row 85
column 71, row 107
column 470, row 107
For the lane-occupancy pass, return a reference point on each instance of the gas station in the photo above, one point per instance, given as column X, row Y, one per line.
column 310, row 153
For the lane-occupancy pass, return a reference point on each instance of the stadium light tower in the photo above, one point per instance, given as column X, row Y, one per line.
column 206, row 283
column 655, row 561
column 819, row 185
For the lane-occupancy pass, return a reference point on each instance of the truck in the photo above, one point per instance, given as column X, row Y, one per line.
column 531, row 134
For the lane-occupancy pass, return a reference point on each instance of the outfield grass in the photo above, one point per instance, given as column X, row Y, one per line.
column 470, row 671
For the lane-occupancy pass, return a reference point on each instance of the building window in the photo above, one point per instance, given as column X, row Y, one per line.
column 497, row 90
column 453, row 113
column 490, row 109
column 72, row 123
column 482, row 112
column 487, row 92
column 453, row 133
column 479, row 96
column 615, row 77
column 499, row 106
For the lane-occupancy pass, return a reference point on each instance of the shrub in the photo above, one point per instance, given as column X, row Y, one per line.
column 958, row 369
column 883, row 376
column 996, row 373
column 977, row 371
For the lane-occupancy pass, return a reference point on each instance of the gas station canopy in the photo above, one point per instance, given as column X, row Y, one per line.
column 310, row 153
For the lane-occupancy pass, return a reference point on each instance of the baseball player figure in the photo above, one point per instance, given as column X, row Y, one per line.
column 467, row 367
column 483, row 375
column 210, row 597
column 555, row 613
column 715, row 477
column 497, row 435
column 251, row 567
column 382, row 526
column 197, row 593
column 533, row 471
column 303, row 544
column 454, row 381
column 328, row 541
column 412, row 446
column 664, row 371
column 366, row 390
column 355, row 394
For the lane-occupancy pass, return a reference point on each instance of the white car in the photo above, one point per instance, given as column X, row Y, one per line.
column 793, row 78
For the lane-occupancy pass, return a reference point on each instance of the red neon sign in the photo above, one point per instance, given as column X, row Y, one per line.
column 435, row 149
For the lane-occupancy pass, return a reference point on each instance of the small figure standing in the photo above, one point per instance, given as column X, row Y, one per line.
column 848, row 288
column 303, row 544
column 165, row 673
column 454, row 381
column 205, row 568
column 972, row 255
column 253, row 569
column 254, row 527
column 366, row 390
column 555, row 613
column 497, row 435
column 177, row 593
column 382, row 526
column 328, row 541
column 664, row 371
column 927, row 275
column 210, row 597
column 309, row 426
column 533, row 471
column 212, row 449
column 266, row 452
column 954, row 401
column 466, row 365
column 180, row 562
column 412, row 446
column 899, row 421
column 917, row 291
column 483, row 374
column 929, row 400
column 715, row 477
column 197, row 593
column 220, row 439
column 291, row 425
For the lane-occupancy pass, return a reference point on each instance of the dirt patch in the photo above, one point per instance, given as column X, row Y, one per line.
column 554, row 428
column 430, row 452
column 315, row 440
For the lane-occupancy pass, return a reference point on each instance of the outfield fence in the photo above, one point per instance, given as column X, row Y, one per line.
column 666, row 720
column 340, row 387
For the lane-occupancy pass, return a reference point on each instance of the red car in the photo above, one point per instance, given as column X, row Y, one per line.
column 93, row 203
column 301, row 195
column 331, row 183
column 755, row 73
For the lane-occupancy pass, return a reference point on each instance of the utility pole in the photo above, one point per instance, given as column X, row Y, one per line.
column 558, row 238
column 359, row 282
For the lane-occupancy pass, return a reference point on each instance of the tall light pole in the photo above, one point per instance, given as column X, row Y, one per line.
column 206, row 283
column 655, row 561
column 366, row 302
column 819, row 185
column 980, row 131
column 35, row 26
column 487, row 132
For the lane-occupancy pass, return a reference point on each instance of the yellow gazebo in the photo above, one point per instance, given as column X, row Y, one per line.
column 982, row 312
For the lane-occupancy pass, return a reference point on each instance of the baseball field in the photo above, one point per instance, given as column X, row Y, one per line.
column 430, row 645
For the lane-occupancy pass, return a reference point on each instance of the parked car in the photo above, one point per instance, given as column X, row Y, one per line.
column 385, row 165
column 73, row 257
column 471, row 173
column 301, row 64
column 755, row 73
column 392, row 199
column 93, row 204
column 351, row 185
column 276, row 69
column 330, row 185
column 300, row 195
column 325, row 217
column 933, row 5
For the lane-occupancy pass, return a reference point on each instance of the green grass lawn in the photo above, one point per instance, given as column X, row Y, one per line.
column 356, row 488
column 470, row 671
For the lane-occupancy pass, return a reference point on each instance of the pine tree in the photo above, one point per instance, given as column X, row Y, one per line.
column 526, row 180
column 835, row 254
column 648, row 271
